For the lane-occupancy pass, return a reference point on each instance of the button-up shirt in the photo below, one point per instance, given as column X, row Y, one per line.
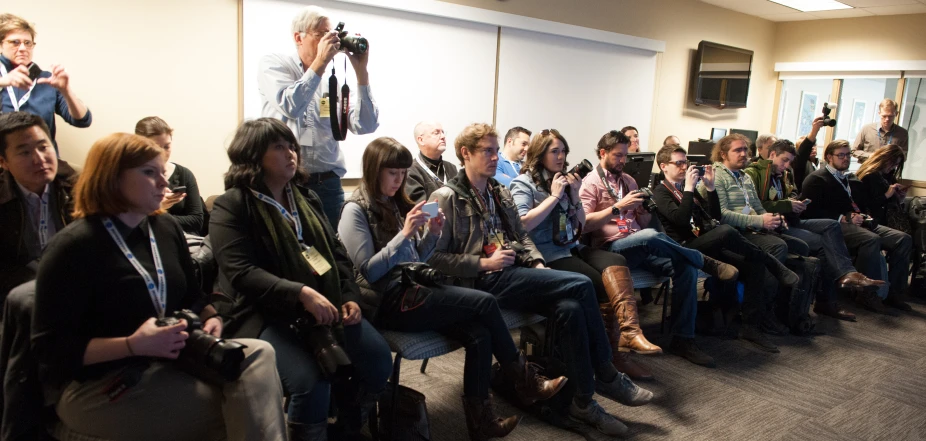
column 292, row 93
column 33, row 205
column 506, row 170
column 872, row 137
column 595, row 197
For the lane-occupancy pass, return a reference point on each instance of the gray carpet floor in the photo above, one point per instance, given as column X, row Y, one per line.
column 859, row 381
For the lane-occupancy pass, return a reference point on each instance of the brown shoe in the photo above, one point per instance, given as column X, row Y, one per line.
column 857, row 282
column 723, row 271
column 481, row 421
column 619, row 286
column 625, row 364
column 832, row 309
column 529, row 384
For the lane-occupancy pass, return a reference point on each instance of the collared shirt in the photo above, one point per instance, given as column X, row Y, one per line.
column 44, row 101
column 506, row 170
column 595, row 197
column 33, row 205
column 293, row 94
column 872, row 137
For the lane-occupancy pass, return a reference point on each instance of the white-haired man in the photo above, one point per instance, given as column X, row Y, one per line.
column 292, row 89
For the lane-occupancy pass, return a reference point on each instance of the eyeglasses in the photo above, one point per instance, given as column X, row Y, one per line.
column 680, row 163
column 547, row 132
column 841, row 155
column 17, row 43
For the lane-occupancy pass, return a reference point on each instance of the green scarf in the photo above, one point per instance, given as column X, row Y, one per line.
column 293, row 265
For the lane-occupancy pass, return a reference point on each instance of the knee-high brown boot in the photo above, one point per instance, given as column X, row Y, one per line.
column 621, row 359
column 619, row 286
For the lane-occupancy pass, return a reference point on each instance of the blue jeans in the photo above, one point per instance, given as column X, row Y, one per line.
column 867, row 246
column 469, row 316
column 826, row 243
column 656, row 252
column 332, row 196
column 569, row 299
column 308, row 392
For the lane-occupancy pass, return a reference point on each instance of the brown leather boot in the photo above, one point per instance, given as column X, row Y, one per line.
column 481, row 421
column 621, row 359
column 529, row 384
column 619, row 286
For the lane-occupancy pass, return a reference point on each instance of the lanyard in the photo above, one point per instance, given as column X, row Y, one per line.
column 158, row 292
column 428, row 170
column 617, row 196
column 740, row 185
column 291, row 217
column 839, row 179
column 43, row 220
column 777, row 183
column 11, row 91
column 487, row 211
column 881, row 137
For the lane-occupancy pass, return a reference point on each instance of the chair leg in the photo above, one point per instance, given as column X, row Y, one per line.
column 393, row 418
column 424, row 365
column 664, row 290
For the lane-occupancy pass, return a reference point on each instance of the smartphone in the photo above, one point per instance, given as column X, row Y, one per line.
column 180, row 189
column 807, row 201
column 430, row 208
column 35, row 72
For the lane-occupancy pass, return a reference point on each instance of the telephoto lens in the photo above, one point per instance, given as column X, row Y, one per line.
column 581, row 169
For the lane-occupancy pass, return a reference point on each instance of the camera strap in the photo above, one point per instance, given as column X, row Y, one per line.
column 12, row 90
column 339, row 121
column 158, row 292
column 619, row 194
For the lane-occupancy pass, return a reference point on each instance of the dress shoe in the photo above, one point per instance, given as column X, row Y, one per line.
column 856, row 281
column 686, row 348
column 482, row 422
column 832, row 309
column 771, row 325
column 625, row 364
column 872, row 302
column 529, row 385
column 723, row 271
column 754, row 335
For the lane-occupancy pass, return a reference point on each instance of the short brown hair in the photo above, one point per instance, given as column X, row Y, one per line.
column 152, row 126
column 835, row 145
column 887, row 102
column 97, row 189
column 10, row 23
column 610, row 140
column 664, row 155
column 470, row 137
column 723, row 146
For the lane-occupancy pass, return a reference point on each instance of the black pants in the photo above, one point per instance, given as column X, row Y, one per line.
column 590, row 262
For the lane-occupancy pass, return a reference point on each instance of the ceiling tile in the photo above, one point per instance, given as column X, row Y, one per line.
column 797, row 16
column 842, row 13
column 900, row 9
column 875, row 3
column 752, row 7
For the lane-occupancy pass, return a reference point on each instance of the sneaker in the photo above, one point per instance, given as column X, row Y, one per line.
column 624, row 391
column 595, row 416
column 687, row 349
column 754, row 335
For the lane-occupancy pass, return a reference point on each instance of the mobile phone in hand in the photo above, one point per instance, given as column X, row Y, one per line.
column 180, row 189
column 35, row 72
column 807, row 201
column 430, row 209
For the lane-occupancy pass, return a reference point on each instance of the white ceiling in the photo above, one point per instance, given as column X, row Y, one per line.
column 862, row 8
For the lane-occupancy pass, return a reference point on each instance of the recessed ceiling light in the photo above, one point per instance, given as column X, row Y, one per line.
column 812, row 5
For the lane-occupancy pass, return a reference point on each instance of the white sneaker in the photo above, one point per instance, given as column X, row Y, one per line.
column 595, row 416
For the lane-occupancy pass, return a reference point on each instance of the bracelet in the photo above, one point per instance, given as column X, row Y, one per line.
column 131, row 352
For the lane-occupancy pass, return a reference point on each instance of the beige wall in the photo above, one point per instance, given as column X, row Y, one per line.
column 130, row 59
column 893, row 37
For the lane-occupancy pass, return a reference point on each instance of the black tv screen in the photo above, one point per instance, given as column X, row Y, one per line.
column 722, row 75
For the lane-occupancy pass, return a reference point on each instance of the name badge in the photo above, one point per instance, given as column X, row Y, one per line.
column 324, row 107
column 315, row 259
column 746, row 209
column 491, row 247
column 622, row 226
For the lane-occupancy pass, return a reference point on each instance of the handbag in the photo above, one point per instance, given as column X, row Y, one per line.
column 408, row 419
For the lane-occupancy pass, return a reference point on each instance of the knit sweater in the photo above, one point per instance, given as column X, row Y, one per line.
column 733, row 200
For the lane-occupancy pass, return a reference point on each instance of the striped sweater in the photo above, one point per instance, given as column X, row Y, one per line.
column 732, row 199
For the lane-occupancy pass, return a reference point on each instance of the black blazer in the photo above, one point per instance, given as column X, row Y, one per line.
column 419, row 185
column 248, row 266
column 829, row 198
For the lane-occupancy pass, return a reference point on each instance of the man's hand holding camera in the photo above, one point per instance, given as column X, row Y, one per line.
column 151, row 340
column 854, row 218
column 631, row 202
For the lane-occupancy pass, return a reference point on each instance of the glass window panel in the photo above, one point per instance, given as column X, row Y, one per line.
column 858, row 106
column 801, row 101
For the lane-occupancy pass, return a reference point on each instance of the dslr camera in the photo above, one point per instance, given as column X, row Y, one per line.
column 205, row 356
column 827, row 108
column 422, row 274
column 700, row 170
column 333, row 361
column 868, row 222
column 351, row 43
column 582, row 169
column 648, row 204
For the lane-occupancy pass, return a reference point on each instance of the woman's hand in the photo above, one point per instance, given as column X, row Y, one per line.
column 350, row 313
column 18, row 77
column 436, row 223
column 171, row 199
column 213, row 326
column 892, row 190
column 59, row 79
column 151, row 340
column 316, row 304
column 558, row 186
column 575, row 184
column 414, row 219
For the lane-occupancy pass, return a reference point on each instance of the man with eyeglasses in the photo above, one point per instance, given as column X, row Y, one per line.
column 877, row 134
column 25, row 87
column 293, row 90
column 831, row 190
column 615, row 217
column 429, row 171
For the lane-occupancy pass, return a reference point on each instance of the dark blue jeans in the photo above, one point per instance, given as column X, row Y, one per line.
column 469, row 316
column 826, row 243
column 569, row 299
column 660, row 254
column 867, row 246
column 308, row 392
column 332, row 195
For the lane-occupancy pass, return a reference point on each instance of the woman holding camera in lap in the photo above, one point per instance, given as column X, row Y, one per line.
column 98, row 336
column 383, row 231
column 282, row 265
column 549, row 205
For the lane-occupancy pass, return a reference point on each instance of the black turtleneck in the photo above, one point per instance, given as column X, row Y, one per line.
column 436, row 165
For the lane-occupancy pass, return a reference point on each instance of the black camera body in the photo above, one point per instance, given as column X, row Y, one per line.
column 827, row 108
column 205, row 356
column 333, row 361
column 350, row 43
column 422, row 274
column 582, row 169
column 869, row 222
column 648, row 203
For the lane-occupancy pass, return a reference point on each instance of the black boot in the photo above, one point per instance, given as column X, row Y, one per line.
column 787, row 278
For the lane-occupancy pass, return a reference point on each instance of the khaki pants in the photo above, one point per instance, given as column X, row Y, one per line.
column 169, row 404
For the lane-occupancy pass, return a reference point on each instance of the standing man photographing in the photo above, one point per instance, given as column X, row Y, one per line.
column 292, row 90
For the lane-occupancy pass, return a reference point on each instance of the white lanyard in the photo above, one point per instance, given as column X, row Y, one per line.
column 11, row 91
column 157, row 292
column 740, row 185
column 881, row 137
column 292, row 217
column 846, row 187
column 43, row 220
column 428, row 169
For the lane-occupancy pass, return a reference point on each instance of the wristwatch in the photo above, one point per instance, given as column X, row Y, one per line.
column 615, row 211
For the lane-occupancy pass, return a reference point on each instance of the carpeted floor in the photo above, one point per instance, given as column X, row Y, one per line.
column 860, row 381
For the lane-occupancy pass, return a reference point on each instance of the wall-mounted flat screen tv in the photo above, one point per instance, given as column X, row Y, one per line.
column 721, row 75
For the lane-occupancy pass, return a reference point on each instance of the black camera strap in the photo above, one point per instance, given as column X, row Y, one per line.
column 620, row 183
column 339, row 118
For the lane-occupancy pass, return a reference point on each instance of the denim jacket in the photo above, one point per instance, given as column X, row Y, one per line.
column 526, row 196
